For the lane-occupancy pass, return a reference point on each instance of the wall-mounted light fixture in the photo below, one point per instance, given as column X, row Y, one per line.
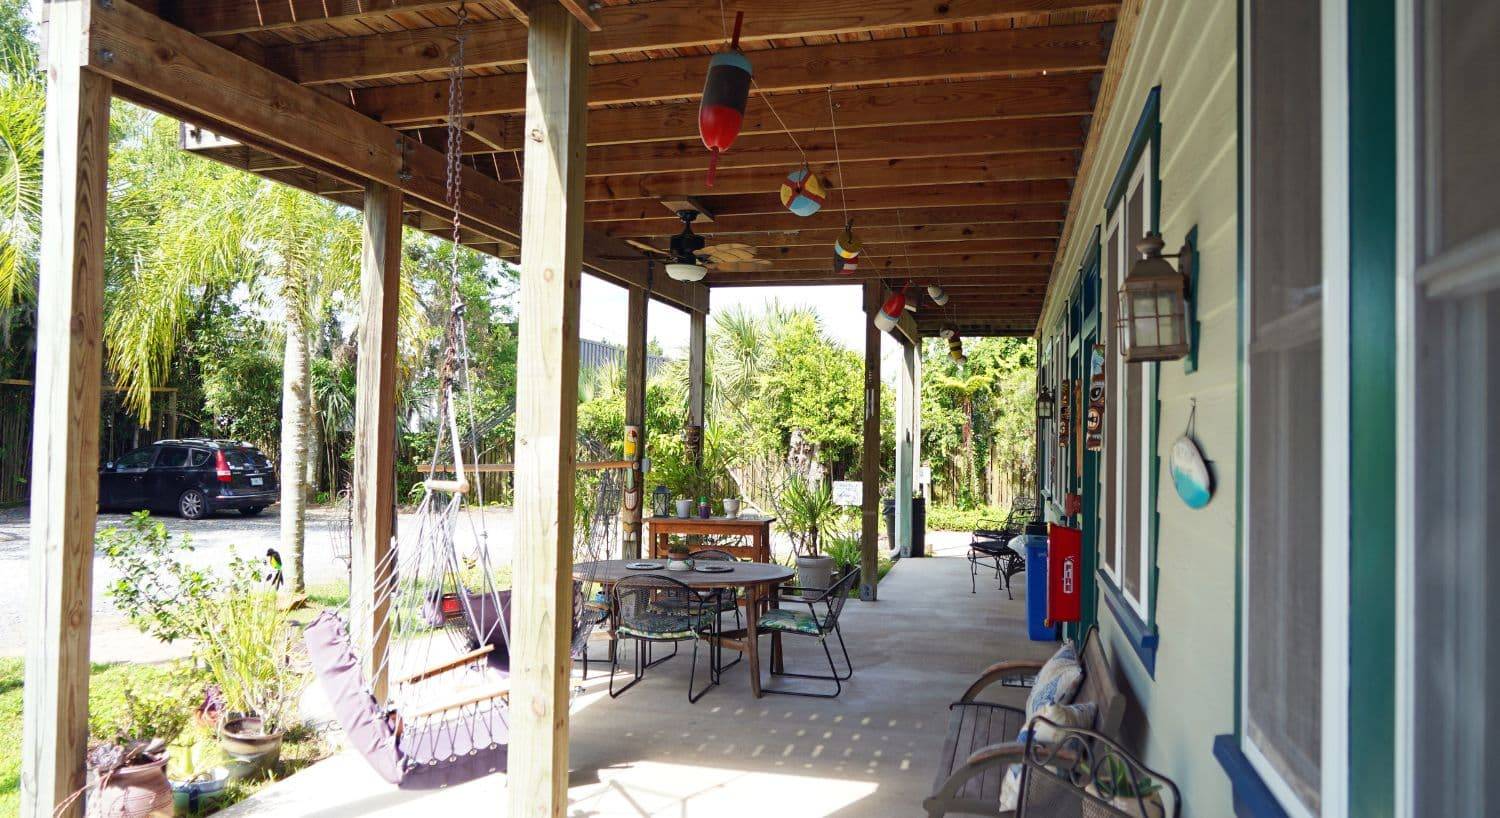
column 1152, row 320
column 1045, row 403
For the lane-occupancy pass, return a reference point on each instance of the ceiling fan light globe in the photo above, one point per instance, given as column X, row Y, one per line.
column 686, row 272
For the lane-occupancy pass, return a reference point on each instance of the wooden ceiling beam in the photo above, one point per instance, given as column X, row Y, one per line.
column 158, row 65
column 743, row 204
column 1027, row 51
column 912, row 219
column 927, row 103
column 880, row 173
column 878, row 238
column 824, row 252
column 665, row 24
column 1029, row 275
column 898, row 264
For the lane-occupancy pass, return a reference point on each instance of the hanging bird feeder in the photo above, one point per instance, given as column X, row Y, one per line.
column 802, row 192
column 726, row 90
column 938, row 295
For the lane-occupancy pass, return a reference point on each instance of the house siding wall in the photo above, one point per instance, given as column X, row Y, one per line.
column 1190, row 50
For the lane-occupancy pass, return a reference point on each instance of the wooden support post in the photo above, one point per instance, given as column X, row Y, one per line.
column 906, row 390
column 923, row 487
column 697, row 355
column 869, row 561
column 373, row 493
column 65, row 439
column 547, row 409
column 635, row 422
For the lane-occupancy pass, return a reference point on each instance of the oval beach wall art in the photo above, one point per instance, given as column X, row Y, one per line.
column 1190, row 473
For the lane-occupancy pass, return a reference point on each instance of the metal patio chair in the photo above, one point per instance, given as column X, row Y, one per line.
column 724, row 601
column 1078, row 772
column 653, row 608
column 816, row 623
column 990, row 546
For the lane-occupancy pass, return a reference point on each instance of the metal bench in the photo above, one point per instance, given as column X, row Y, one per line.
column 981, row 743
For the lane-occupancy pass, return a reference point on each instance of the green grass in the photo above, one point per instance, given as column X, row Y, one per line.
column 301, row 748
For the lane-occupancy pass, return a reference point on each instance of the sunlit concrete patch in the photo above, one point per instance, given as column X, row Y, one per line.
column 652, row 789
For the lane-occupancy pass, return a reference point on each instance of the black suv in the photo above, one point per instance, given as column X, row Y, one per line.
column 195, row 476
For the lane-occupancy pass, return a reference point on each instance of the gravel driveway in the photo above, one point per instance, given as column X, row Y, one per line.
column 212, row 539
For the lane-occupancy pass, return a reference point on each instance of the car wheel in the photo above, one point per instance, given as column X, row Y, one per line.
column 252, row 511
column 192, row 505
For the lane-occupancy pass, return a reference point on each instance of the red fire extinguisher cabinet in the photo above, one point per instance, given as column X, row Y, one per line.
column 1064, row 574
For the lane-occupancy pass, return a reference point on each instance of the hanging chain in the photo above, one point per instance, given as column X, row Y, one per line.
column 454, row 182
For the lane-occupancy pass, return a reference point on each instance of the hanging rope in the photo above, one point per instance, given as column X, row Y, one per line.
column 838, row 160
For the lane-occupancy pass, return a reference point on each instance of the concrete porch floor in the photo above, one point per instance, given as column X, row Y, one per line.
column 870, row 752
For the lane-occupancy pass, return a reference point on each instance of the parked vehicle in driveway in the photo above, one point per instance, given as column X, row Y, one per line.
column 194, row 477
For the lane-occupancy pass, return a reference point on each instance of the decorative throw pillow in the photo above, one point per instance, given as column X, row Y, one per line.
column 1063, row 715
column 1057, row 682
column 1010, row 789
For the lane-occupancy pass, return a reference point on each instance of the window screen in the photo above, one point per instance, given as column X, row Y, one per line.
column 1284, row 383
column 1455, row 638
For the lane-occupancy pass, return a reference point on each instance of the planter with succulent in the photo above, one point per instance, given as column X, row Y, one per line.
column 131, row 728
column 806, row 510
column 1136, row 797
column 677, row 554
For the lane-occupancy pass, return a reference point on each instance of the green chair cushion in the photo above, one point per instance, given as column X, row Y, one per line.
column 661, row 624
column 789, row 621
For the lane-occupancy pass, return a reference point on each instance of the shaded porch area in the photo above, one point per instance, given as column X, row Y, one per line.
column 872, row 751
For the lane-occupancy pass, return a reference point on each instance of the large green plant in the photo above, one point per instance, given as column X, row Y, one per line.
column 250, row 654
column 157, row 588
column 806, row 510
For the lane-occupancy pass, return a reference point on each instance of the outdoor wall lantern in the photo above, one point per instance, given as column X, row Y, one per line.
column 1045, row 403
column 1153, row 305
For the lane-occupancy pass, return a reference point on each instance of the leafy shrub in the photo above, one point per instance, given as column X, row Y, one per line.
column 148, row 703
column 250, row 655
column 806, row 511
column 160, row 593
column 952, row 518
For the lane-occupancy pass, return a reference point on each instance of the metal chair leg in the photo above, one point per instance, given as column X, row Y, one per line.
column 614, row 662
column 693, row 675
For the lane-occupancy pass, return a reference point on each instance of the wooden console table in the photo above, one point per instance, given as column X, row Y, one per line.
column 756, row 529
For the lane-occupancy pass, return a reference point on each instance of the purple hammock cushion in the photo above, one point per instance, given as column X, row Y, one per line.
column 343, row 679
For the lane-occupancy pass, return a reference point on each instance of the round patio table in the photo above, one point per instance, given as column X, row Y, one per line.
column 760, row 582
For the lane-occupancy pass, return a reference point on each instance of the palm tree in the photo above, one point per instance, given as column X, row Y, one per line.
column 23, row 95
column 964, row 388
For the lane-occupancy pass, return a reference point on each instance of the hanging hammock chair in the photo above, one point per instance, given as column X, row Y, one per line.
column 443, row 620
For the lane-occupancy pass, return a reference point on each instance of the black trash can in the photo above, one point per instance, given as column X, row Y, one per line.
column 918, row 547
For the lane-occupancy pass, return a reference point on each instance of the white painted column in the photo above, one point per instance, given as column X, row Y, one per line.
column 906, row 393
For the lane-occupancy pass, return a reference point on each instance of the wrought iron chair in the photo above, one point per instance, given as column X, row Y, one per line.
column 652, row 608
column 990, row 546
column 724, row 601
column 1072, row 771
column 816, row 623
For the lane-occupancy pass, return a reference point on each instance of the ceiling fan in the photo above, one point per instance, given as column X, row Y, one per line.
column 691, row 257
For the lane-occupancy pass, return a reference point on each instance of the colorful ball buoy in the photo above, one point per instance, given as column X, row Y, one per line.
column 890, row 312
column 846, row 250
column 802, row 192
column 726, row 90
column 938, row 295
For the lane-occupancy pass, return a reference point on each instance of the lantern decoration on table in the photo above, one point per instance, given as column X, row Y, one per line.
column 846, row 250
column 802, row 192
column 1153, row 305
column 726, row 90
column 661, row 502
column 938, row 295
column 890, row 311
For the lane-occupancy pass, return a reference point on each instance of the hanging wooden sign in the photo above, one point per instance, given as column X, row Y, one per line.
column 1064, row 412
column 1094, row 422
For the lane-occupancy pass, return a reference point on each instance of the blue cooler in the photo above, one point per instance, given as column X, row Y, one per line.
column 1034, row 547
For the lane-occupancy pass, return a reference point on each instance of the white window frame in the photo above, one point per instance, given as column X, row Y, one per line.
column 1334, row 709
column 1140, row 179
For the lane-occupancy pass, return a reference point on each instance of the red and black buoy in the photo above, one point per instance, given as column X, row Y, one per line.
column 726, row 90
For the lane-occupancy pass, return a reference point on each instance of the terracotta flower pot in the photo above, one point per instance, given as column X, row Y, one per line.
column 134, row 791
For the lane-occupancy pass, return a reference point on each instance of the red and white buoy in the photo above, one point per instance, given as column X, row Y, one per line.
column 890, row 311
column 726, row 91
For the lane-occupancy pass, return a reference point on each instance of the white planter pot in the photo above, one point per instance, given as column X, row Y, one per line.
column 684, row 509
column 731, row 507
column 815, row 572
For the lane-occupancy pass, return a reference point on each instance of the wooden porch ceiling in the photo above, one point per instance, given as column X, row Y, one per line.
column 950, row 132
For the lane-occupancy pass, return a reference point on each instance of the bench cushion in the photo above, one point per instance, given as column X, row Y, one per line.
column 971, row 727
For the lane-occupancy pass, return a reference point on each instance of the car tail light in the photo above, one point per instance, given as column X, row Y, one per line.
column 221, row 467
